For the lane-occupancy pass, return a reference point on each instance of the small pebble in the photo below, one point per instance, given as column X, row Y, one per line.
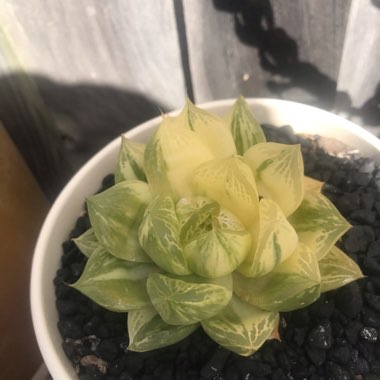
column 340, row 354
column 369, row 334
column 321, row 336
column 316, row 355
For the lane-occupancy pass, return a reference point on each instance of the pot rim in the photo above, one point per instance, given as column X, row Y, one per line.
column 41, row 305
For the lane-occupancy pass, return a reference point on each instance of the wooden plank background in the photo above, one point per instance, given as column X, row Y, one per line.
column 226, row 40
column 101, row 67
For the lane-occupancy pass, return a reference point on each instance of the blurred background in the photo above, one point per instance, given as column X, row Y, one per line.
column 76, row 74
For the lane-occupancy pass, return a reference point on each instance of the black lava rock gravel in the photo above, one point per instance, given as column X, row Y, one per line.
column 338, row 337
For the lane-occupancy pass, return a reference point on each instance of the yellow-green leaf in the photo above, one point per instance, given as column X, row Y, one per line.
column 312, row 184
column 245, row 129
column 115, row 284
column 87, row 242
column 147, row 331
column 240, row 327
column 273, row 241
column 212, row 129
column 115, row 216
column 186, row 300
column 170, row 158
column 130, row 164
column 292, row 285
column 337, row 269
column 278, row 171
column 159, row 235
column 318, row 223
column 217, row 246
column 229, row 181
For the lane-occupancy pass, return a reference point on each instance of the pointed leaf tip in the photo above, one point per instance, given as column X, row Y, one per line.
column 130, row 164
column 279, row 173
column 147, row 331
column 115, row 215
column 87, row 242
column 337, row 269
column 318, row 223
column 240, row 327
column 115, row 284
column 245, row 129
column 171, row 156
column 211, row 128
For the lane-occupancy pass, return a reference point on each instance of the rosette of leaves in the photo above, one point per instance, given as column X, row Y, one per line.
column 208, row 225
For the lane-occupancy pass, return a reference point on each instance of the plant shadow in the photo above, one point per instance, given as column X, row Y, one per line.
column 58, row 127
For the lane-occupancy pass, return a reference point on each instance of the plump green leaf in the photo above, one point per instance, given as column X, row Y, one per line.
column 186, row 300
column 337, row 269
column 273, row 241
column 218, row 246
column 115, row 284
column 240, row 327
column 87, row 242
column 212, row 129
column 292, row 285
column 147, row 331
column 171, row 157
column 159, row 235
column 229, row 181
column 115, row 216
column 318, row 223
column 245, row 129
column 130, row 164
column 278, row 171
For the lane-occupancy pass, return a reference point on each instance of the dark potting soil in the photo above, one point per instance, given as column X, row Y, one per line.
column 337, row 337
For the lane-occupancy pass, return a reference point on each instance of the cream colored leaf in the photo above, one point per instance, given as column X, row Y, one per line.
column 212, row 129
column 278, row 171
column 170, row 158
column 273, row 241
column 229, row 181
column 312, row 184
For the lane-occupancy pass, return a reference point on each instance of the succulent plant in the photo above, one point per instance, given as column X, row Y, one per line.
column 210, row 225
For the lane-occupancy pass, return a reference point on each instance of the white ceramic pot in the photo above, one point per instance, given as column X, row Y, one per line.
column 68, row 206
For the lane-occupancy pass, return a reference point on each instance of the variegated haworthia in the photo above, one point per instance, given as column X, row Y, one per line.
column 210, row 225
